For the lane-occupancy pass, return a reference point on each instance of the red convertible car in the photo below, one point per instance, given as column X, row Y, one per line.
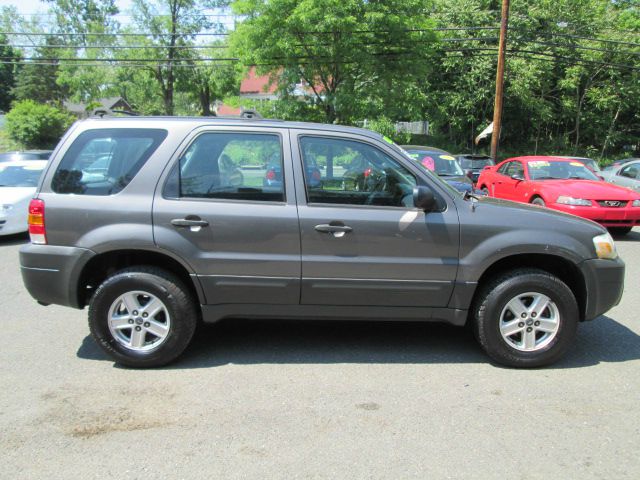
column 566, row 185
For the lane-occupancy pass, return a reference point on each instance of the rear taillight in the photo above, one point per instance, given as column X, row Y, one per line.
column 36, row 222
column 271, row 175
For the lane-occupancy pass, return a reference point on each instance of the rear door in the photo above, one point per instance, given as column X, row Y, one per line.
column 363, row 241
column 217, row 211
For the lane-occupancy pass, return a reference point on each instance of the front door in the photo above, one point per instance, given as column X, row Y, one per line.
column 363, row 241
column 238, row 228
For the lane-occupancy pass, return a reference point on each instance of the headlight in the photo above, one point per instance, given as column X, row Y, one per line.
column 564, row 200
column 5, row 207
column 605, row 248
column 636, row 203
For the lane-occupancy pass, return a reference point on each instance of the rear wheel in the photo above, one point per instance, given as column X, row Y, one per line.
column 526, row 318
column 619, row 230
column 143, row 317
column 538, row 201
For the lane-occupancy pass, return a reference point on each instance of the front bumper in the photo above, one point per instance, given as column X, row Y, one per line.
column 605, row 282
column 607, row 217
column 51, row 273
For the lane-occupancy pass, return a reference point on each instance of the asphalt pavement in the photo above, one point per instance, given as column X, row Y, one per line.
column 315, row 400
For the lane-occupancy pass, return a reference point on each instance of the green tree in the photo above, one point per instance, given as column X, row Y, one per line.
column 354, row 58
column 35, row 125
column 37, row 80
column 89, row 29
column 211, row 82
column 171, row 26
column 7, row 72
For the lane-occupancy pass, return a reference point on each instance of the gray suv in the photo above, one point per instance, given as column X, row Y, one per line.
column 159, row 232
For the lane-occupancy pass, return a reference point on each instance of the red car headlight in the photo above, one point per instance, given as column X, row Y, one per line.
column 565, row 200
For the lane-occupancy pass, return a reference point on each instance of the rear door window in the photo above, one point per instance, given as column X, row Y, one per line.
column 231, row 166
column 104, row 161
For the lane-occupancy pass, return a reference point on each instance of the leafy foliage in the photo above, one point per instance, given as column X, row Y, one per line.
column 36, row 125
column 7, row 72
column 386, row 127
column 353, row 58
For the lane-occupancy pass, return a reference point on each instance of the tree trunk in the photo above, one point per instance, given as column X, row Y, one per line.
column 205, row 100
column 610, row 132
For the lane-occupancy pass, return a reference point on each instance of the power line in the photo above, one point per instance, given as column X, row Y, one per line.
column 149, row 60
column 580, row 47
column 207, row 34
column 593, row 39
column 581, row 60
column 117, row 47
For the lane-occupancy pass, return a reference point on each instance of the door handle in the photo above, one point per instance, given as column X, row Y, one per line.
column 338, row 231
column 189, row 221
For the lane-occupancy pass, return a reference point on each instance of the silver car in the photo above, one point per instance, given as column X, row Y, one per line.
column 625, row 175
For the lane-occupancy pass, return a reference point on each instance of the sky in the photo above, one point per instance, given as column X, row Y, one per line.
column 36, row 6
column 29, row 7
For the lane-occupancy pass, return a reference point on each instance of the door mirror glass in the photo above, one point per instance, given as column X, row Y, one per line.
column 517, row 176
column 423, row 198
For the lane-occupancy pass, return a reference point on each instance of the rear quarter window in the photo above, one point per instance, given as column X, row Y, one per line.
column 104, row 161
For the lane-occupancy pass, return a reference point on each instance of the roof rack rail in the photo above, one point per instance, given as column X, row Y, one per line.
column 250, row 113
column 105, row 112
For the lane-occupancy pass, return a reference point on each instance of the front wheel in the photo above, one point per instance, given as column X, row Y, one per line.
column 143, row 317
column 538, row 201
column 526, row 318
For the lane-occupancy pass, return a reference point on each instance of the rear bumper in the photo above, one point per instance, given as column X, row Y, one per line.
column 51, row 273
column 605, row 282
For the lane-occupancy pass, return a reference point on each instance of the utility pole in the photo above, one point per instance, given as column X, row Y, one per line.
column 497, row 109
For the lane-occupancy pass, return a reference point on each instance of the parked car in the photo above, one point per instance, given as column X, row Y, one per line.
column 565, row 185
column 18, row 182
column 25, row 155
column 442, row 163
column 625, row 175
column 617, row 163
column 472, row 164
column 161, row 242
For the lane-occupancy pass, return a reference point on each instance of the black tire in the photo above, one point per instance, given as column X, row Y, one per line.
column 619, row 230
column 180, row 306
column 492, row 300
column 485, row 190
column 538, row 201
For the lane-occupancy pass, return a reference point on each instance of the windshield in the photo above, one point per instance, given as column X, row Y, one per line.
column 441, row 163
column 24, row 176
column 559, row 170
column 476, row 163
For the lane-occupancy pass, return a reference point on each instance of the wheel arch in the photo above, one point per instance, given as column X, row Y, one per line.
column 102, row 265
column 556, row 265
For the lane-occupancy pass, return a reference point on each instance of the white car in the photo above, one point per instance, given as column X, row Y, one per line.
column 18, row 182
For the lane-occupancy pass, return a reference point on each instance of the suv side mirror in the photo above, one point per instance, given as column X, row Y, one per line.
column 423, row 198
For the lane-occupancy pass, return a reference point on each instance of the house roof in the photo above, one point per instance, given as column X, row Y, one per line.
column 105, row 103
column 227, row 110
column 255, row 83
